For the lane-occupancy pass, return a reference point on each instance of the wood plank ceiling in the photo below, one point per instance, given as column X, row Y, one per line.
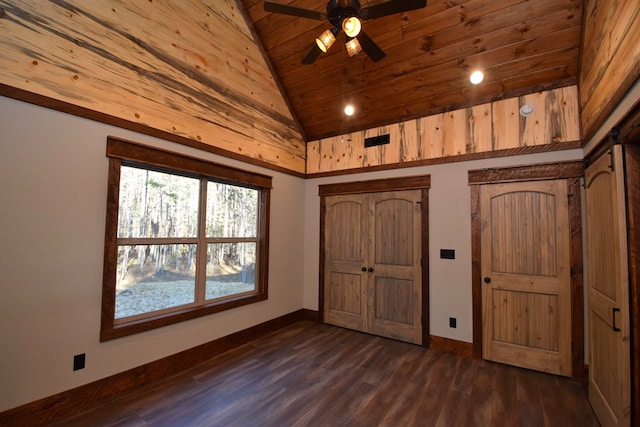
column 522, row 46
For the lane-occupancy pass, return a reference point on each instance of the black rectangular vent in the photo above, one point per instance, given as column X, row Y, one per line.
column 376, row 140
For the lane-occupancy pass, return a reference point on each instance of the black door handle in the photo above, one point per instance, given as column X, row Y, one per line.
column 487, row 280
column 370, row 270
column 615, row 328
column 364, row 268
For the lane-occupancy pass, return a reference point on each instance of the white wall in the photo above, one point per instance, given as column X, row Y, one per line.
column 53, row 180
column 449, row 228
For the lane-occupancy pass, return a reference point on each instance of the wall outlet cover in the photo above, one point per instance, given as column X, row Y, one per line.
column 79, row 361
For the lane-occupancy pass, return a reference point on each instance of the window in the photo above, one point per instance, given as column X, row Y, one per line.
column 184, row 238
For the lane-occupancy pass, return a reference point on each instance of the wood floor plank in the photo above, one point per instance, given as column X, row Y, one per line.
column 309, row 374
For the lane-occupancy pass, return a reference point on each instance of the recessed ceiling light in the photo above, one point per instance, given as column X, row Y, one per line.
column 349, row 110
column 476, row 77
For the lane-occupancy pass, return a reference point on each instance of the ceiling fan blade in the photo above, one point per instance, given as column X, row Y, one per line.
column 313, row 54
column 391, row 7
column 286, row 9
column 370, row 47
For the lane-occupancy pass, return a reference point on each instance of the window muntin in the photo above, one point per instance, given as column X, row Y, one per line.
column 184, row 238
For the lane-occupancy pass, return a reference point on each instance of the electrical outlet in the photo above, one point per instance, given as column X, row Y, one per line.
column 452, row 322
column 78, row 361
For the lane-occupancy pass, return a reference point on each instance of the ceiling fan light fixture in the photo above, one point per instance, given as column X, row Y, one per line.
column 325, row 40
column 353, row 47
column 351, row 26
column 346, row 15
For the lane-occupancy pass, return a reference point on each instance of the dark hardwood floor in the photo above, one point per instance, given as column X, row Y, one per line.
column 309, row 374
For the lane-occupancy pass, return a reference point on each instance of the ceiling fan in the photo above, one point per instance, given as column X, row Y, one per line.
column 346, row 15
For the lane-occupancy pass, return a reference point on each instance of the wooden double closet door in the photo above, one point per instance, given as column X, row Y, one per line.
column 372, row 263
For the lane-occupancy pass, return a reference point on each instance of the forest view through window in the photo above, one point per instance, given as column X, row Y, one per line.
column 186, row 243
column 158, row 242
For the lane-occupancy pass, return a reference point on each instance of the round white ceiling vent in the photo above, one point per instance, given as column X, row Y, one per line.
column 526, row 110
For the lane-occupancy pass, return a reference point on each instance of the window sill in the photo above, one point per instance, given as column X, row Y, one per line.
column 112, row 331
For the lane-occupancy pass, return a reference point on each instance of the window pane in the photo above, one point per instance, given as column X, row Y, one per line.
column 156, row 204
column 231, row 269
column 154, row 277
column 232, row 211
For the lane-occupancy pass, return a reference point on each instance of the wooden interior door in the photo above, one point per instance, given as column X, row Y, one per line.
column 372, row 271
column 608, row 290
column 346, row 246
column 526, row 295
column 394, row 285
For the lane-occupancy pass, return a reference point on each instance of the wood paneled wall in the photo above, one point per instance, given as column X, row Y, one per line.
column 610, row 58
column 479, row 129
column 187, row 68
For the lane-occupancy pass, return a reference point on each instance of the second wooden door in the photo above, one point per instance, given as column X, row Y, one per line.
column 372, row 272
column 526, row 295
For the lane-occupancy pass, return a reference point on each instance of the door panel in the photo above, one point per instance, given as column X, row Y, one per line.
column 526, row 298
column 346, row 228
column 521, row 239
column 608, row 290
column 346, row 293
column 538, row 327
column 393, row 300
column 393, row 228
column 395, row 285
